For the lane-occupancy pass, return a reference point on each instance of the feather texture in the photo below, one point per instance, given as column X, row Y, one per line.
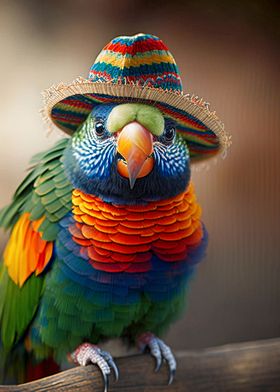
column 26, row 252
column 39, row 202
column 124, row 238
column 17, row 306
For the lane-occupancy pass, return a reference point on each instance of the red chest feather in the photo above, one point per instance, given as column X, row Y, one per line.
column 124, row 238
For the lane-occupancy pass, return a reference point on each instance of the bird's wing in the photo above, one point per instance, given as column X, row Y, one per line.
column 39, row 203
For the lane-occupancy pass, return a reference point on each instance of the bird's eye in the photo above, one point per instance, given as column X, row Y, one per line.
column 169, row 134
column 99, row 128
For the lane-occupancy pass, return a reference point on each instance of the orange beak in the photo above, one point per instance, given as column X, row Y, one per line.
column 135, row 145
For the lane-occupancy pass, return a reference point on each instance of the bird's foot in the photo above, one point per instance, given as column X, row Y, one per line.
column 88, row 353
column 159, row 350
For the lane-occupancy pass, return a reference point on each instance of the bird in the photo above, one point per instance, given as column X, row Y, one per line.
column 105, row 229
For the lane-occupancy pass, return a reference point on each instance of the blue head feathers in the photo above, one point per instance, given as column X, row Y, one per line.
column 94, row 164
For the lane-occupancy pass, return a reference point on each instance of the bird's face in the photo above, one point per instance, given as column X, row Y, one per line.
column 128, row 153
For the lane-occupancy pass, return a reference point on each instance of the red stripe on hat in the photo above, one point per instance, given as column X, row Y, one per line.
column 101, row 74
column 67, row 119
column 137, row 47
column 77, row 104
column 168, row 76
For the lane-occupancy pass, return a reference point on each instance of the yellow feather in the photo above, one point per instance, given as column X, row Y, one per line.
column 26, row 251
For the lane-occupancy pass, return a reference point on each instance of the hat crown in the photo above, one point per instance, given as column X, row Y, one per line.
column 142, row 59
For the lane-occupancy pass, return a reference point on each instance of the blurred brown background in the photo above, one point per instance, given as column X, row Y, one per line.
column 227, row 53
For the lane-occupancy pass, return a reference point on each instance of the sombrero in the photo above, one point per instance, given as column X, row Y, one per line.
column 138, row 68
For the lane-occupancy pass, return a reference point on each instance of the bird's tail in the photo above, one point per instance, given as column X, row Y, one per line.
column 20, row 367
column 45, row 368
column 12, row 366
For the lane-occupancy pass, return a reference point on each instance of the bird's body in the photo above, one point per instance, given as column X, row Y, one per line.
column 105, row 228
column 97, row 268
column 123, row 269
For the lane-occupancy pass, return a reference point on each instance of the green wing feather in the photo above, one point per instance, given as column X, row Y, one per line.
column 45, row 192
column 17, row 306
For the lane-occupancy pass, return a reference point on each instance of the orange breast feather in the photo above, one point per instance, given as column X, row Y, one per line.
column 124, row 238
column 26, row 252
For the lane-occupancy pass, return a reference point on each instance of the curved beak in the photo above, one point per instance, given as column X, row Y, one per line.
column 135, row 145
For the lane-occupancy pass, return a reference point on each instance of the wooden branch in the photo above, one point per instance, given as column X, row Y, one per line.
column 250, row 367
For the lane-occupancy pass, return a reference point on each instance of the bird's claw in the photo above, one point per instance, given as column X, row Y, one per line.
column 88, row 353
column 160, row 351
column 109, row 359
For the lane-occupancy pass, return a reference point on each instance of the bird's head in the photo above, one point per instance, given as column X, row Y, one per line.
column 128, row 153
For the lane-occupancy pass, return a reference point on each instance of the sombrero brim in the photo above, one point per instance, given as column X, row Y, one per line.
column 67, row 106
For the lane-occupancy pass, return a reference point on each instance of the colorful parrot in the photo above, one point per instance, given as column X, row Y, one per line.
column 105, row 230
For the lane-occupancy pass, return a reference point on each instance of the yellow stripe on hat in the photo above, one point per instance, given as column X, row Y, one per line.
column 149, row 58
